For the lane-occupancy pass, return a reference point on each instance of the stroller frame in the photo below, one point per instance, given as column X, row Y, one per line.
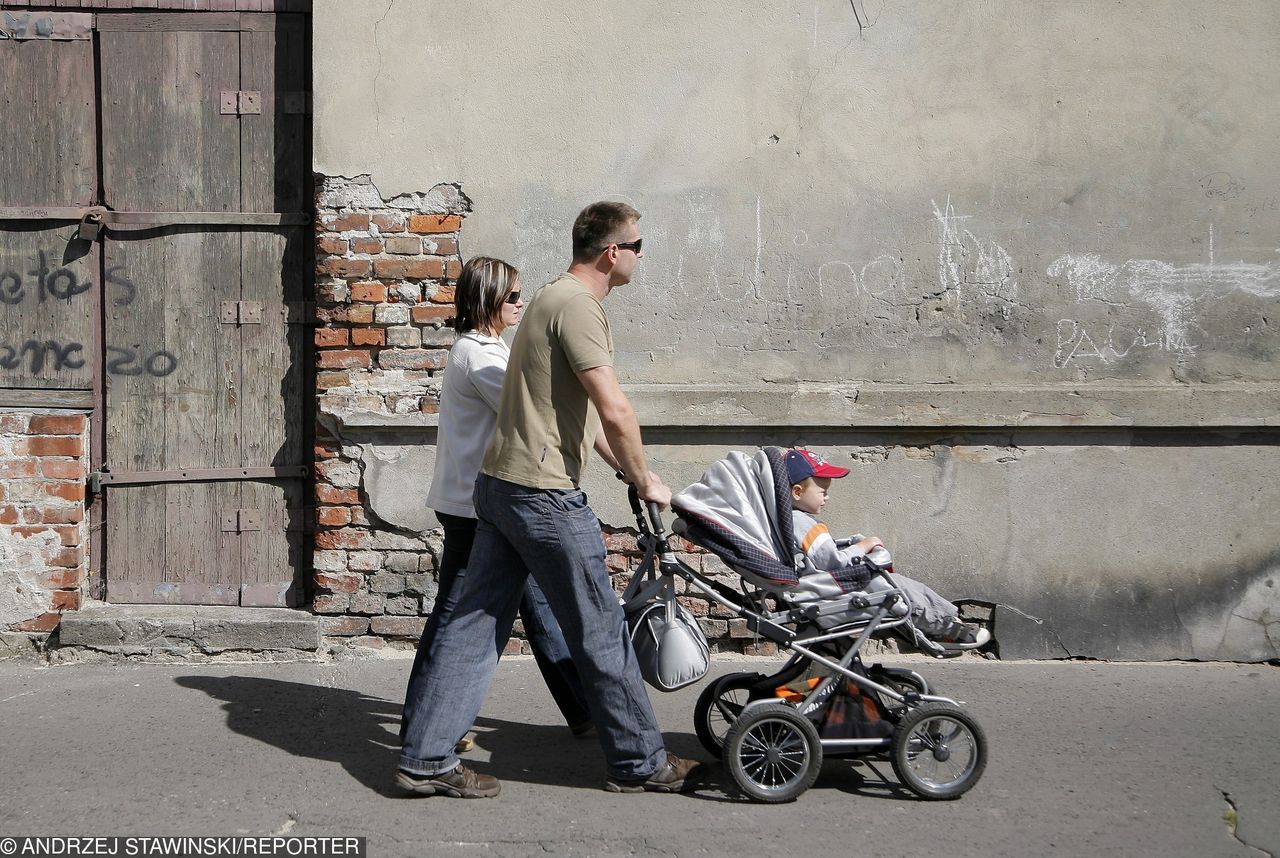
column 928, row 726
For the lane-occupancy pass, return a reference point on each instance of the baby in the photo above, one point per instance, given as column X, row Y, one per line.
column 932, row 615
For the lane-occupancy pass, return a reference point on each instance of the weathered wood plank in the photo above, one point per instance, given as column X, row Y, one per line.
column 174, row 393
column 46, row 308
column 187, row 22
column 31, row 398
column 48, row 94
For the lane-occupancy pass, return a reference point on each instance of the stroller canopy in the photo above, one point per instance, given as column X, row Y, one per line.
column 741, row 510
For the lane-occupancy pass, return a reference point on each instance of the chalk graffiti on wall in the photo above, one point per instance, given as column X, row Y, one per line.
column 41, row 283
column 1174, row 292
column 968, row 263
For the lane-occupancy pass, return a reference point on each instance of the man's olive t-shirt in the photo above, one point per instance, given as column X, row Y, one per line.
column 546, row 423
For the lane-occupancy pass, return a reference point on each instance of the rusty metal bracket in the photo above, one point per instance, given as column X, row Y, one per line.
column 240, row 313
column 147, row 220
column 98, row 479
column 245, row 102
column 241, row 521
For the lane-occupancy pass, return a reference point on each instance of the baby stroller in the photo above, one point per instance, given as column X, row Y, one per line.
column 772, row 732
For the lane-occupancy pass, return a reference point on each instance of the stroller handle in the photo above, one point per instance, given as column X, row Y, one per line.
column 655, row 511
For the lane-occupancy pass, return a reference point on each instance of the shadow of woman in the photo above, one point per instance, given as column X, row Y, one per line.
column 337, row 724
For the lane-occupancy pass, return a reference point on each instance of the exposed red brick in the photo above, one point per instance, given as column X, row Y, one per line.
column 441, row 246
column 67, row 558
column 339, row 582
column 57, row 579
column 427, row 313
column 69, row 535
column 332, row 246
column 333, row 516
column 345, row 222
column 28, row 531
column 412, row 358
column 366, row 244
column 19, row 468
column 453, row 268
column 389, row 222
column 512, row 647
column 65, row 491
column 63, row 469
column 426, row 224
column 343, row 360
column 56, row 424
column 328, row 494
column 330, row 337
column 326, row 603
column 336, row 266
column 368, row 337
column 399, row 268
column 401, row 627
column 13, row 423
column 66, row 600
column 348, row 538
column 621, row 542
column 443, row 295
column 370, row 291
column 60, row 514
column 56, row 447
column 8, row 514
column 44, row 623
column 344, row 626
column 429, row 405
column 326, row 380
column 360, row 314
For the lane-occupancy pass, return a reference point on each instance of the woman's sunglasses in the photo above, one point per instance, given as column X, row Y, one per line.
column 514, row 297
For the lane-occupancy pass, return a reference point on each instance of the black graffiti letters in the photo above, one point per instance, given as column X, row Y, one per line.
column 67, row 356
column 59, row 283
column 38, row 354
column 125, row 362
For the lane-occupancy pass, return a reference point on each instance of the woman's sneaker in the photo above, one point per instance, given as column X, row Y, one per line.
column 960, row 635
column 676, row 775
column 459, row 783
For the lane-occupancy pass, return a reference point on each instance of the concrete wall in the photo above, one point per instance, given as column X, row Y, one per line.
column 1016, row 261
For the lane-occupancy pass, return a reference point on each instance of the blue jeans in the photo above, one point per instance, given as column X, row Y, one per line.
column 545, row 639
column 552, row 536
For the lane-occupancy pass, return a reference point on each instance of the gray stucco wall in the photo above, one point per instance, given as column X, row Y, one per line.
column 1015, row 261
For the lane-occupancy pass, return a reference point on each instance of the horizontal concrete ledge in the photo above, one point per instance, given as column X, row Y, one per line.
column 178, row 629
column 925, row 405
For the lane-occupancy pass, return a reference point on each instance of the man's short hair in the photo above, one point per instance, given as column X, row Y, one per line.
column 598, row 226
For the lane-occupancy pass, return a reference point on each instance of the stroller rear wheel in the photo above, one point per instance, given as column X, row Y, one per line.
column 939, row 751
column 773, row 753
column 719, row 706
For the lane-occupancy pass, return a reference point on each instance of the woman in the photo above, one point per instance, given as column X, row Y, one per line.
column 487, row 302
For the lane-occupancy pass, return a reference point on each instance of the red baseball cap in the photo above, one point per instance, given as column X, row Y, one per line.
column 802, row 464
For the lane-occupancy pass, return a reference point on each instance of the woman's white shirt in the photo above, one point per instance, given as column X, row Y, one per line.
column 468, row 411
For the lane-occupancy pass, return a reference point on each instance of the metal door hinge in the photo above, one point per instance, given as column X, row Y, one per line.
column 240, row 313
column 241, row 520
column 243, row 102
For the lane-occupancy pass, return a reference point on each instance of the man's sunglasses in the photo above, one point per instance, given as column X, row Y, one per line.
column 633, row 246
column 513, row 298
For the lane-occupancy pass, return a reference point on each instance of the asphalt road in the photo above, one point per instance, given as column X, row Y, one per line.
column 1086, row 759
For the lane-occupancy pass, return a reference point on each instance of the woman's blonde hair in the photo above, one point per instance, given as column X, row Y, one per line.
column 481, row 290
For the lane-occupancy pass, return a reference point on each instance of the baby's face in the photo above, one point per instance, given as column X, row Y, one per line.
column 811, row 495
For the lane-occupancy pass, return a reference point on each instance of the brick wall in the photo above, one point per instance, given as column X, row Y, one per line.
column 43, row 531
column 385, row 273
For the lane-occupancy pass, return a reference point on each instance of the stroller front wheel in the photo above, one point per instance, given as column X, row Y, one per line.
column 939, row 751
column 719, row 706
column 773, row 753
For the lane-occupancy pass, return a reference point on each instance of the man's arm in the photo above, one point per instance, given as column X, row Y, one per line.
column 622, row 433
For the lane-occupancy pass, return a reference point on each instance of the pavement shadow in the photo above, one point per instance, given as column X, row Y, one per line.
column 355, row 730
column 360, row 733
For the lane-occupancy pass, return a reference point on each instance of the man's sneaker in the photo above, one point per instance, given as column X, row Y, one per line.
column 960, row 635
column 582, row 729
column 676, row 775
column 459, row 783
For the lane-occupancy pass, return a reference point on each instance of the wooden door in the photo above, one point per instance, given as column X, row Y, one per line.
column 206, row 340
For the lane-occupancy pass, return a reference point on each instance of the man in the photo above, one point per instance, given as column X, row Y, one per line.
column 560, row 391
